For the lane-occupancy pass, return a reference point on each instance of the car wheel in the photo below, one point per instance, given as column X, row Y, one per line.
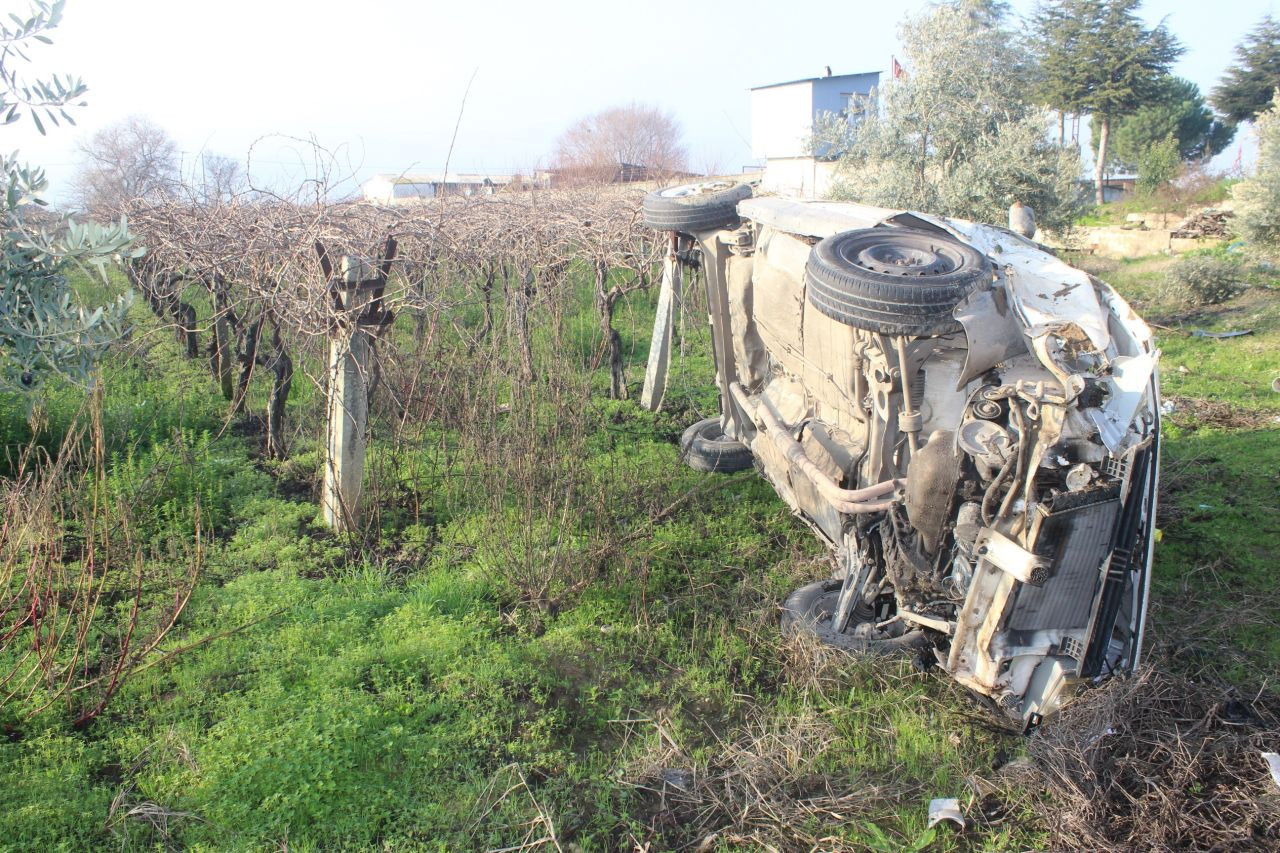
column 897, row 281
column 704, row 447
column 811, row 608
column 690, row 208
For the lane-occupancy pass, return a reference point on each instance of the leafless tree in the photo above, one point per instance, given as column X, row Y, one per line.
column 129, row 160
column 216, row 179
column 608, row 145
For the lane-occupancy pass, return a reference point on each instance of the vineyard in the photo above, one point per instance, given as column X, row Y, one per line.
column 266, row 273
column 528, row 626
column 460, row 317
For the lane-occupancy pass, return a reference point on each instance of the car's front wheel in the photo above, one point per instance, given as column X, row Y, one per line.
column 895, row 281
column 812, row 608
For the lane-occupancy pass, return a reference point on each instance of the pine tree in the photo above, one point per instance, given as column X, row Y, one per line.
column 1099, row 59
column 1247, row 86
column 1178, row 111
column 1057, row 39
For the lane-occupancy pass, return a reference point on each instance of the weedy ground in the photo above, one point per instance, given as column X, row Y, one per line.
column 1204, row 191
column 409, row 691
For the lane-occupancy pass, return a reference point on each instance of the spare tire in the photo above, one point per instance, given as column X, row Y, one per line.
column 704, row 447
column 897, row 281
column 689, row 208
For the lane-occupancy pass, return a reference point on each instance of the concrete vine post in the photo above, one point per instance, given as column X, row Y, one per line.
column 357, row 292
column 655, row 377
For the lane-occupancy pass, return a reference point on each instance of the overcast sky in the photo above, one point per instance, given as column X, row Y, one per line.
column 381, row 82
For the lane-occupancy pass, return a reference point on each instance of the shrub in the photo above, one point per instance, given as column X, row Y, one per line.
column 1158, row 165
column 1205, row 280
column 1258, row 198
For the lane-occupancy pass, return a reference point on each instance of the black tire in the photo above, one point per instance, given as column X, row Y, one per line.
column 811, row 607
column 897, row 281
column 689, row 208
column 704, row 447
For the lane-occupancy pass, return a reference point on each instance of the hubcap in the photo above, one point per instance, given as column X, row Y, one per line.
column 704, row 188
column 907, row 260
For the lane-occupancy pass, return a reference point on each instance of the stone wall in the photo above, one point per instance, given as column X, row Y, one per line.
column 1142, row 234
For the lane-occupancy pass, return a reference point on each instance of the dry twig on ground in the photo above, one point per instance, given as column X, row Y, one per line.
column 1155, row 762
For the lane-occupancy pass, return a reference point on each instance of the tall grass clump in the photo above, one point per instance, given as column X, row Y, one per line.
column 83, row 599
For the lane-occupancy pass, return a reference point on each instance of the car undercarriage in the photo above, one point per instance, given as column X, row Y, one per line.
column 969, row 423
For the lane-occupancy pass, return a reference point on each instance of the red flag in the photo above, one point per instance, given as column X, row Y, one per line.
column 896, row 69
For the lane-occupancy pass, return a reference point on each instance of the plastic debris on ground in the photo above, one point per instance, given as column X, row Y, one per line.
column 1201, row 333
column 1273, row 761
column 945, row 808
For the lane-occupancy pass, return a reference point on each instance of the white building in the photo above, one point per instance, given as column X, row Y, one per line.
column 782, row 120
column 409, row 187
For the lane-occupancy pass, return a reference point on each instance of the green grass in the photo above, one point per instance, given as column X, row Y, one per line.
column 1215, row 590
column 367, row 711
column 403, row 696
column 406, row 695
column 1221, row 538
column 1238, row 371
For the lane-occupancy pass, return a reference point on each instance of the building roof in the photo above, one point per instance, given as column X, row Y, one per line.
column 813, row 80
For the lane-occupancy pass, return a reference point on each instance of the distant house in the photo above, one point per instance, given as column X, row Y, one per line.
column 409, row 187
column 782, row 120
column 629, row 173
column 622, row 173
column 1114, row 188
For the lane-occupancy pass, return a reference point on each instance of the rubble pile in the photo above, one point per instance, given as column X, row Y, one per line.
column 1209, row 222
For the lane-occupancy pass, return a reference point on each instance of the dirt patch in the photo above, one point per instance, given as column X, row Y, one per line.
column 249, row 424
column 1157, row 762
column 766, row 789
column 1200, row 641
column 295, row 480
column 1252, row 310
column 1192, row 413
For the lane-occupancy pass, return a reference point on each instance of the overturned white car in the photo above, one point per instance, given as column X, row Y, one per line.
column 970, row 423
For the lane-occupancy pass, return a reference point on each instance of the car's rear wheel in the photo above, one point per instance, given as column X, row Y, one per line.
column 705, row 447
column 897, row 281
column 689, row 208
column 812, row 608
